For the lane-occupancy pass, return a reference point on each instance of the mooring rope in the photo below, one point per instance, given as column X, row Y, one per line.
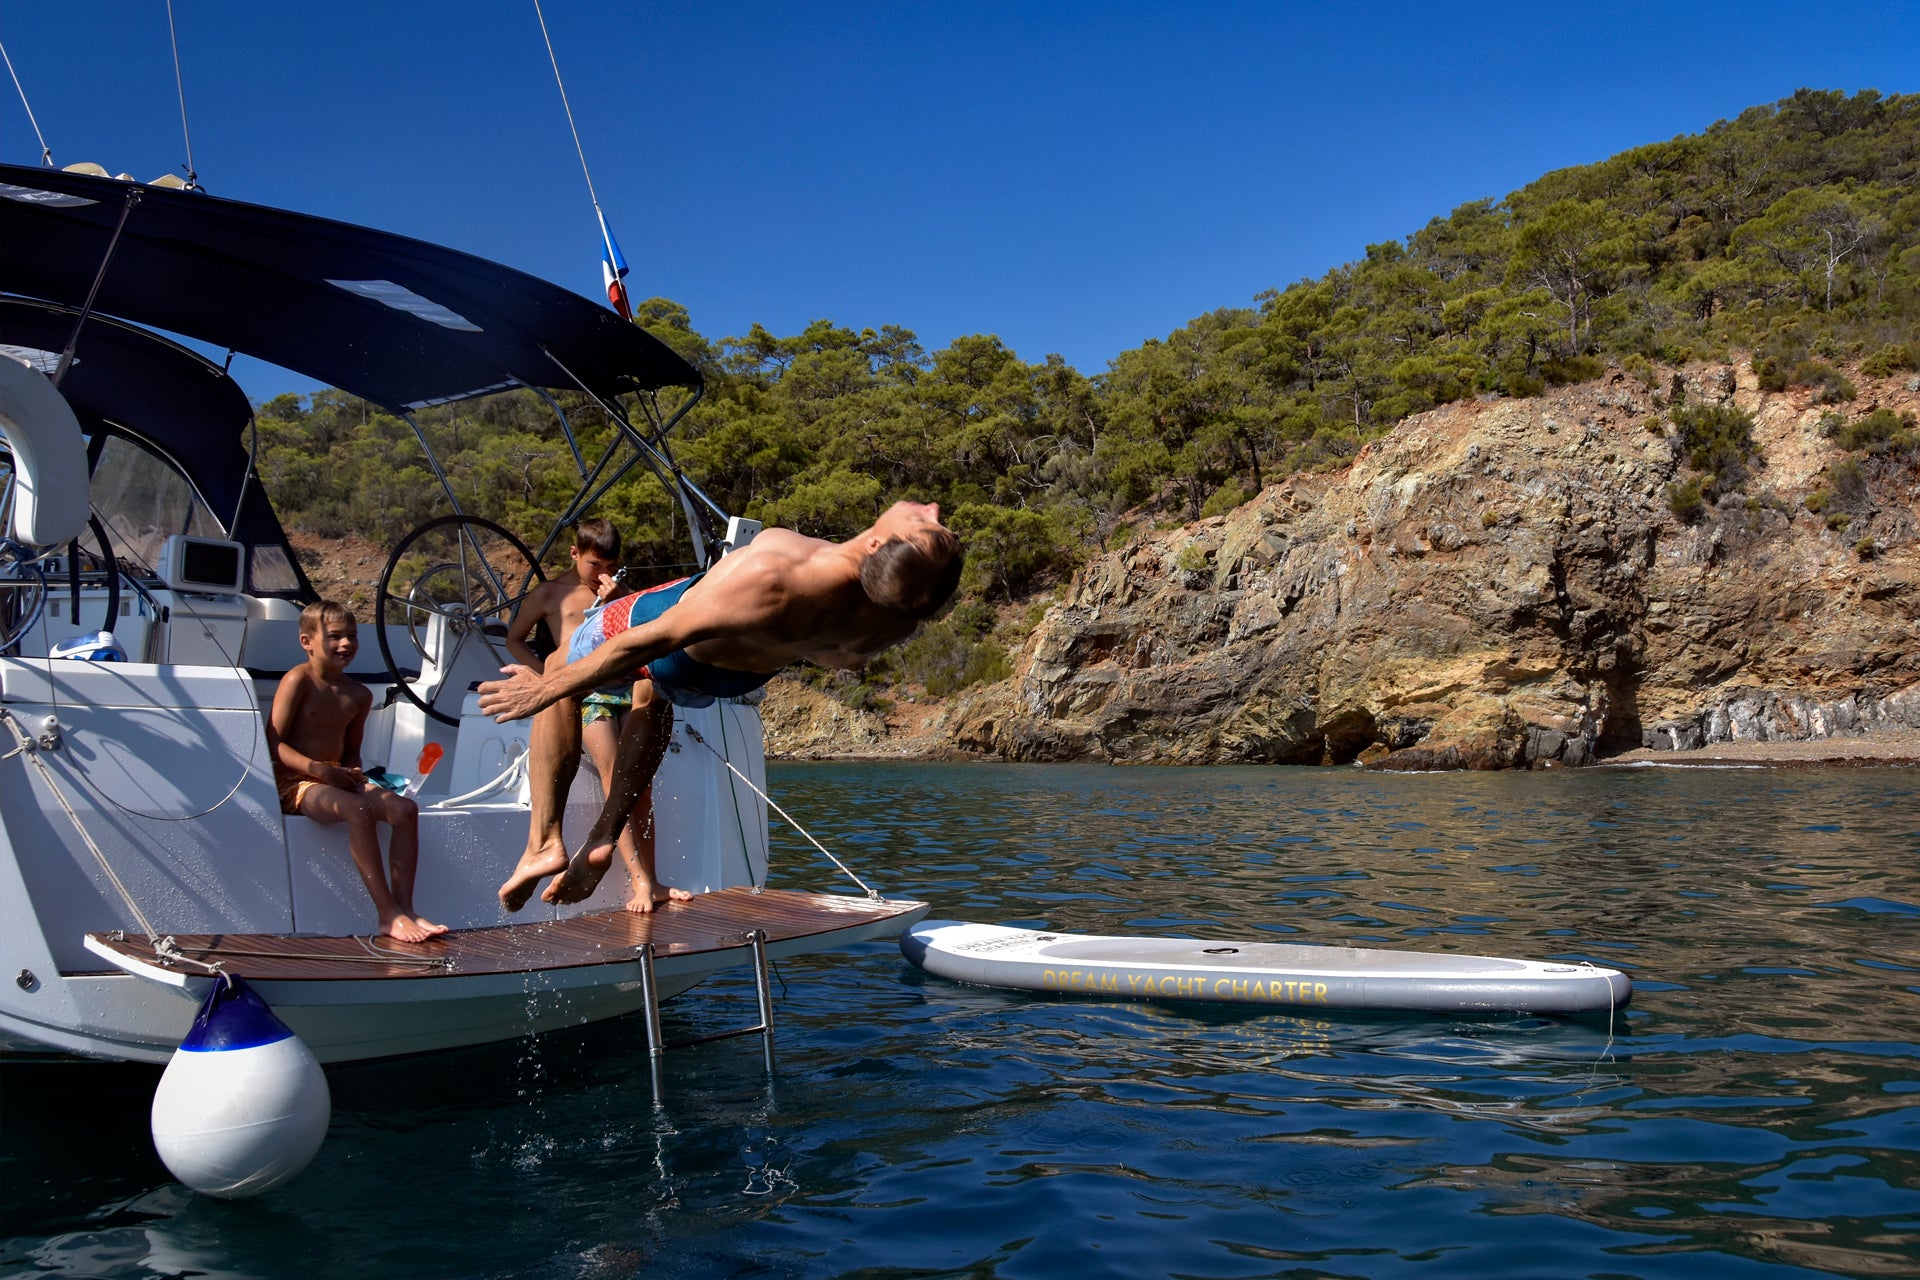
column 791, row 820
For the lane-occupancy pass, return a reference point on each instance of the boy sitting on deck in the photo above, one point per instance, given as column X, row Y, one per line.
column 313, row 738
column 561, row 604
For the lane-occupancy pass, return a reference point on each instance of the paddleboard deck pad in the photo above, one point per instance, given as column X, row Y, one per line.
column 1282, row 975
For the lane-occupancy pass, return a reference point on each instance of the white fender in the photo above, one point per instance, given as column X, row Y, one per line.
column 51, row 502
column 243, row 1106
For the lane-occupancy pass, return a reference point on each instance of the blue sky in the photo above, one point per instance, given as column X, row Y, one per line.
column 1075, row 178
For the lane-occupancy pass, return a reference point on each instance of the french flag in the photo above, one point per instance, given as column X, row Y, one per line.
column 613, row 271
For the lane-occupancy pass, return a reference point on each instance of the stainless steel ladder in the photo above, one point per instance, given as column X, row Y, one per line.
column 756, row 941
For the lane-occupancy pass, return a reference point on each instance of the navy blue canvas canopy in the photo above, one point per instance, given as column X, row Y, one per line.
column 396, row 321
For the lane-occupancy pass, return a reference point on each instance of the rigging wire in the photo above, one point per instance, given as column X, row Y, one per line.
column 180, row 86
column 46, row 154
column 591, row 193
column 792, row 821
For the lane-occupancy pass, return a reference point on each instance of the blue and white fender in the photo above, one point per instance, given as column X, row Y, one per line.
column 243, row 1105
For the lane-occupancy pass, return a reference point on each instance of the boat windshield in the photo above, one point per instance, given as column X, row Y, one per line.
column 142, row 499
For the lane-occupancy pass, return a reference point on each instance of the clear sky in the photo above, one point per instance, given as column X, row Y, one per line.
column 1073, row 177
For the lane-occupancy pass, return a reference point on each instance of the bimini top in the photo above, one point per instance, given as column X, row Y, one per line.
column 126, row 381
column 396, row 321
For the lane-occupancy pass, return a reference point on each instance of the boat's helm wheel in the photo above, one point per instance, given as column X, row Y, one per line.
column 468, row 572
column 23, row 592
column 23, row 582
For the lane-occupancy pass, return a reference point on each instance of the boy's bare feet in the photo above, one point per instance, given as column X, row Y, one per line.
column 404, row 928
column 582, row 875
column 644, row 900
column 546, row 860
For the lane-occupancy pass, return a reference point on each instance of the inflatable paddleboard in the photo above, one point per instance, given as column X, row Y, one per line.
column 1285, row 976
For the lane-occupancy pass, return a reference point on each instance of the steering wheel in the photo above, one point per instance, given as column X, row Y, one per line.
column 23, row 591
column 23, row 584
column 468, row 571
column 111, row 573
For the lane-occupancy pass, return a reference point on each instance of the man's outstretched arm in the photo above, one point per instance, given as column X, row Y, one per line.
column 524, row 691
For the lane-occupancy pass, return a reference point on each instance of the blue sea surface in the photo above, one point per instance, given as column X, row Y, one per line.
column 1756, row 1113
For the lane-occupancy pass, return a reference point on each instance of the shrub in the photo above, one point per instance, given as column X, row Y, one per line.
column 1865, row 548
column 954, row 652
column 1685, row 501
column 1882, row 431
column 1849, row 480
column 1223, row 500
column 1564, row 369
column 1838, row 520
column 1773, row 374
column 1819, row 500
column 1718, row 439
column 1830, row 385
column 860, row 693
column 1190, row 558
column 1889, row 360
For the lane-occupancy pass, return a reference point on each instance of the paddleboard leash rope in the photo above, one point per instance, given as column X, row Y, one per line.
column 793, row 822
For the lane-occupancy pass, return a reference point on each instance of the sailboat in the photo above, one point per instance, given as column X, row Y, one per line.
column 143, row 853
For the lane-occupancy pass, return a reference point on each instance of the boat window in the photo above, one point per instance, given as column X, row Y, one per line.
column 143, row 500
column 271, row 573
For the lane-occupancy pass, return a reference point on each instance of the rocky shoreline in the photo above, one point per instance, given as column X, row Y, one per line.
column 1495, row 584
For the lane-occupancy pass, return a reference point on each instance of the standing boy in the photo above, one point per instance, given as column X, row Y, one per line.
column 313, row 737
column 561, row 604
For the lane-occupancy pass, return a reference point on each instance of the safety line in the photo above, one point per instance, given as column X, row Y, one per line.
column 791, row 820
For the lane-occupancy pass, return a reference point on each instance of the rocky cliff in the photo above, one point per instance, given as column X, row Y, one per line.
column 1494, row 585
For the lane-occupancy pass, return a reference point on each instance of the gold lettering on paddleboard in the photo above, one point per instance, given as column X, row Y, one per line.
column 1320, row 992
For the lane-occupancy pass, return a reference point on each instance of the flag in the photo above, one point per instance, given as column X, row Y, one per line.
column 613, row 271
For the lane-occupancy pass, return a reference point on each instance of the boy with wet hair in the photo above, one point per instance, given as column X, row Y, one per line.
column 313, row 739
column 561, row 604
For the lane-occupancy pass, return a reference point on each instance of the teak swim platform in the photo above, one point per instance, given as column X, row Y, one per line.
column 709, row 922
column 358, row 997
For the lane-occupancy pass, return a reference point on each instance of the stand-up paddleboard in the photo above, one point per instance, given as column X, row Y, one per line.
column 1284, row 975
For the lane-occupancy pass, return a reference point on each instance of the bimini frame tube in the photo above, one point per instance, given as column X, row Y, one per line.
column 669, row 475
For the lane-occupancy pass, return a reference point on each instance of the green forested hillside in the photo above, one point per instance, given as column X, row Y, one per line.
column 1792, row 232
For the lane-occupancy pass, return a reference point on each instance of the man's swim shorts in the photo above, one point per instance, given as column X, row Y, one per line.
column 685, row 681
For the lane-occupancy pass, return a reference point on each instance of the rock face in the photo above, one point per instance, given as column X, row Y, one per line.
column 1493, row 585
column 802, row 723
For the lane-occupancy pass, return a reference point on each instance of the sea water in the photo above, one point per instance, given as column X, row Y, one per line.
column 1755, row 1114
